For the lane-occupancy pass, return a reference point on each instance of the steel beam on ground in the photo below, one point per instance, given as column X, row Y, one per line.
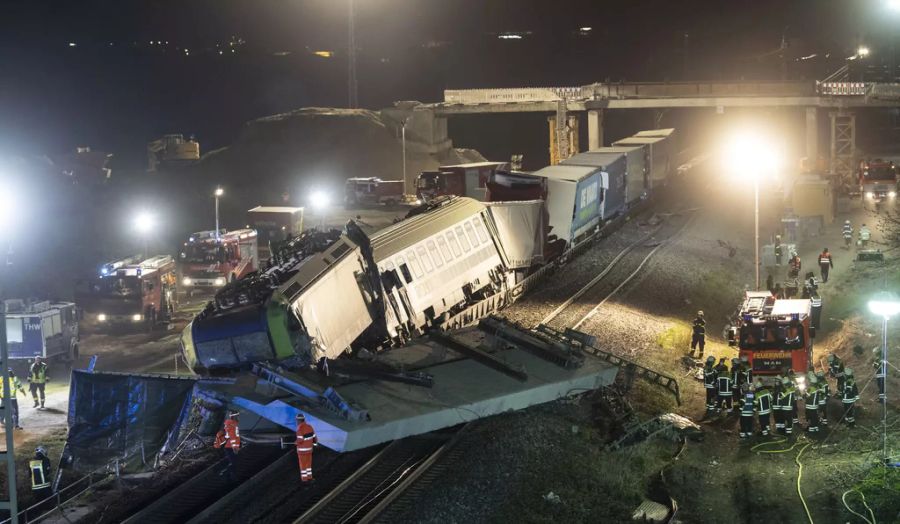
column 480, row 356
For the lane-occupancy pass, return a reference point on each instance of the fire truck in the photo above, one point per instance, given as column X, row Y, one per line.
column 878, row 180
column 207, row 262
column 774, row 334
column 133, row 291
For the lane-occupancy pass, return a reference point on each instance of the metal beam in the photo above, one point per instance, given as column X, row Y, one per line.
column 478, row 355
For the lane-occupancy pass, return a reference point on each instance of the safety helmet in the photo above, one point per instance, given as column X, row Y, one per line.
column 847, row 222
column 848, row 372
column 234, row 414
column 820, row 375
column 812, row 378
column 793, row 253
column 710, row 359
column 744, row 359
column 301, row 416
column 700, row 313
column 40, row 451
column 863, row 225
column 785, row 381
column 735, row 360
column 830, row 358
column 778, row 237
column 11, row 372
column 758, row 384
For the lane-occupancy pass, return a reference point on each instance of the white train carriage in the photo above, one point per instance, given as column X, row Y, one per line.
column 437, row 262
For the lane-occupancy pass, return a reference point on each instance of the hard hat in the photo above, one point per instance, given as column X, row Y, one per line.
column 846, row 221
column 759, row 384
column 700, row 313
column 813, row 380
column 11, row 372
column 848, row 372
column 820, row 374
column 785, row 381
column 234, row 414
column 40, row 451
column 710, row 359
column 793, row 253
column 735, row 360
column 778, row 237
column 744, row 358
column 830, row 358
column 300, row 416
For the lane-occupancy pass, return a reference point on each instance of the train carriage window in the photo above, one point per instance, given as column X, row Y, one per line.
column 482, row 233
column 414, row 263
column 423, row 256
column 435, row 256
column 470, row 234
column 462, row 239
column 454, row 244
column 445, row 250
column 407, row 276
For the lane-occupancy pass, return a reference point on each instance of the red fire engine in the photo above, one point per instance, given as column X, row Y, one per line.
column 774, row 334
column 133, row 291
column 210, row 263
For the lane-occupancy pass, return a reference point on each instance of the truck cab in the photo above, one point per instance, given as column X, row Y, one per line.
column 878, row 180
column 41, row 329
column 208, row 262
column 372, row 191
column 132, row 292
column 774, row 334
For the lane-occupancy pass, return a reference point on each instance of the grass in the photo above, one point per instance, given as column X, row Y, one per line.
column 882, row 491
column 676, row 339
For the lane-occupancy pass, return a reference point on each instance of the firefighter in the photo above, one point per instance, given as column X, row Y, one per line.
column 723, row 387
column 779, row 250
column 880, row 372
column 37, row 380
column 709, row 383
column 864, row 236
column 836, row 370
column 810, row 285
column 825, row 264
column 812, row 403
column 763, row 400
column 232, row 444
column 698, row 338
column 747, row 372
column 777, row 410
column 795, row 384
column 736, row 378
column 824, row 393
column 847, row 233
column 748, row 404
column 794, row 265
column 306, row 440
column 786, row 402
column 15, row 386
column 849, row 396
column 40, row 474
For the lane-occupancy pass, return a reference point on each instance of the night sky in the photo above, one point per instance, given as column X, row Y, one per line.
column 115, row 91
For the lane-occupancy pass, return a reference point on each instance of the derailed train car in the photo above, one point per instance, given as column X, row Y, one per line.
column 366, row 290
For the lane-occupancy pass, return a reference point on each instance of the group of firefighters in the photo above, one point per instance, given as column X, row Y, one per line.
column 229, row 438
column 37, row 383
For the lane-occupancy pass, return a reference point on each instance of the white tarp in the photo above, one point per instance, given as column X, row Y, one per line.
column 521, row 227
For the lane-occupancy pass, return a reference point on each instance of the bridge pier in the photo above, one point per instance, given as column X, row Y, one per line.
column 812, row 135
column 843, row 143
column 595, row 129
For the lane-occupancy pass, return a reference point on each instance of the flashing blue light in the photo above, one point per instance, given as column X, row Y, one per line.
column 795, row 316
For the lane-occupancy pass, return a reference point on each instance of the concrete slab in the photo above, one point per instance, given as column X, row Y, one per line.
column 464, row 390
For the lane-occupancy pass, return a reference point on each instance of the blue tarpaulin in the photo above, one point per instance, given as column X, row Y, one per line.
column 130, row 418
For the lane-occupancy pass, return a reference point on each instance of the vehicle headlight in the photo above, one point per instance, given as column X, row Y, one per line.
column 870, row 194
column 101, row 317
column 801, row 380
column 137, row 317
column 186, row 281
column 892, row 194
column 220, row 281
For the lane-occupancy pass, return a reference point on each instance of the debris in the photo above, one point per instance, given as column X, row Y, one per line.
column 552, row 498
column 574, row 429
column 714, row 463
column 650, row 511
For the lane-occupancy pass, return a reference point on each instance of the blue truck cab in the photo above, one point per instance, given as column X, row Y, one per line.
column 41, row 329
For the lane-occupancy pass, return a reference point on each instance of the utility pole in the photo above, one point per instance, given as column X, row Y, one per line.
column 352, row 98
column 9, row 456
column 403, row 140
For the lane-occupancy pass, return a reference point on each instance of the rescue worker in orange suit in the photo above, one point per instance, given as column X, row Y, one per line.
column 825, row 264
column 698, row 338
column 229, row 437
column 306, row 440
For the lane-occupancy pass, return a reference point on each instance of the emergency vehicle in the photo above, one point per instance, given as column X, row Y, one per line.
column 372, row 190
column 774, row 334
column 210, row 263
column 878, row 180
column 133, row 291
column 41, row 329
column 468, row 180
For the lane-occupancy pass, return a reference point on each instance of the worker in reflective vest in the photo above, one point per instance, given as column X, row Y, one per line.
column 794, row 265
column 812, row 403
column 723, row 386
column 232, row 443
column 748, row 403
column 37, row 378
column 849, row 397
column 836, row 370
column 825, row 264
column 15, row 386
column 709, row 382
column 698, row 337
column 824, row 393
column 777, row 410
column 786, row 402
column 306, row 440
column 40, row 474
column 763, row 401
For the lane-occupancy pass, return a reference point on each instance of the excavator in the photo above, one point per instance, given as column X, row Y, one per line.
column 172, row 150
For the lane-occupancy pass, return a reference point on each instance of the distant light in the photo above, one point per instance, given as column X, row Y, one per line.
column 585, row 29
column 72, row 44
column 751, row 153
column 101, row 317
column 144, row 222
column 186, row 281
column 509, row 36
column 219, row 191
column 319, row 199
column 870, row 194
column 219, row 282
column 894, row 4
column 863, row 51
column 324, row 54
column 137, row 317
column 151, row 42
column 892, row 194
column 884, row 304
column 220, row 52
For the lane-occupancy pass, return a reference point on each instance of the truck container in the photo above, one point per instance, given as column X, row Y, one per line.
column 637, row 176
column 41, row 329
column 274, row 224
column 508, row 186
column 613, row 166
column 372, row 191
column 468, row 180
column 660, row 153
column 573, row 199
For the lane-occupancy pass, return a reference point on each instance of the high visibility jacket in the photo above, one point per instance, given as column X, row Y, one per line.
column 15, row 385
column 232, row 434
column 763, row 401
column 864, row 233
column 38, row 373
column 306, row 438
column 786, row 399
column 709, row 377
column 778, row 250
column 724, row 383
column 795, row 264
column 836, row 368
column 847, row 230
column 40, row 473
column 220, row 439
column 825, row 259
column 851, row 392
column 824, row 393
column 742, row 375
column 747, row 404
column 699, row 326
column 812, row 397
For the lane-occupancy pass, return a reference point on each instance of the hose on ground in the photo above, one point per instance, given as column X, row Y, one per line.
column 851, row 510
column 796, row 459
